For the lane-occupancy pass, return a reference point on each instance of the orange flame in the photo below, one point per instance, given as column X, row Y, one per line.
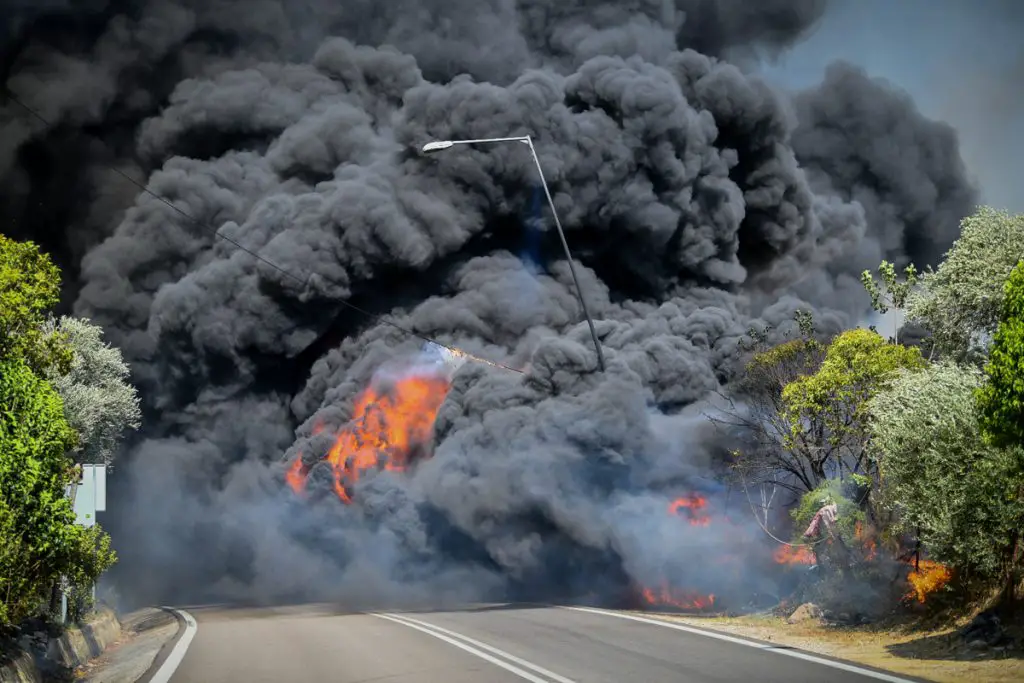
column 693, row 507
column 929, row 577
column 794, row 555
column 694, row 504
column 867, row 542
column 297, row 472
column 296, row 475
column 667, row 596
column 390, row 421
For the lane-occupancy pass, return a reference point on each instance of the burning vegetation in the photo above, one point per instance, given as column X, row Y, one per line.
column 926, row 578
column 391, row 426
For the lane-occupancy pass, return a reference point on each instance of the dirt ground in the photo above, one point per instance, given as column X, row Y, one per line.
column 937, row 655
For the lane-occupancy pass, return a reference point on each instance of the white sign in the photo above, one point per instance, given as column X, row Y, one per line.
column 91, row 496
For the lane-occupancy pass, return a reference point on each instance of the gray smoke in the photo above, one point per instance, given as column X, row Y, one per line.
column 698, row 200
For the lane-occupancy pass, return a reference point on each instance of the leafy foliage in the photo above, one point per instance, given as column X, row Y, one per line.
column 827, row 411
column 1001, row 399
column 957, row 492
column 99, row 402
column 29, row 287
column 892, row 292
column 39, row 540
column 91, row 555
column 36, row 516
column 849, row 495
column 960, row 302
column 757, row 414
column 853, row 575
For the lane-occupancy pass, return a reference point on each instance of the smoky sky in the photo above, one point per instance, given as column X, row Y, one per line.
column 698, row 199
column 963, row 62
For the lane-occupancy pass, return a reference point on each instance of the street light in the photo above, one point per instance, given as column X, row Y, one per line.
column 441, row 145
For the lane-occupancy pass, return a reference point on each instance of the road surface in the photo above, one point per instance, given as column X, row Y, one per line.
column 482, row 644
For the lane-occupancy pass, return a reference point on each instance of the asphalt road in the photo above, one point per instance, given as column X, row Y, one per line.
column 483, row 644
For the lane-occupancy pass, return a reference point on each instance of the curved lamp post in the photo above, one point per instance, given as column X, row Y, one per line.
column 441, row 145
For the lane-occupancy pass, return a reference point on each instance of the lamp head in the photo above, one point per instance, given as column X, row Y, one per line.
column 437, row 146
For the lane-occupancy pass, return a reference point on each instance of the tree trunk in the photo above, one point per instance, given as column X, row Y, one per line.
column 1008, row 602
column 55, row 601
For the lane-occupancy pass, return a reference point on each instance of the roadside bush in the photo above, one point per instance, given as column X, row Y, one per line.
column 959, row 494
column 40, row 540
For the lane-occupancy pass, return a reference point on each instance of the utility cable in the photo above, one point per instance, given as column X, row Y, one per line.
column 772, row 536
column 304, row 282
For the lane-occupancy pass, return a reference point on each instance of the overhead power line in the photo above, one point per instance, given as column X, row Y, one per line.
column 304, row 282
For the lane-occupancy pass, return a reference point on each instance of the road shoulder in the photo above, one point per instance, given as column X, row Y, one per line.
column 918, row 654
column 146, row 634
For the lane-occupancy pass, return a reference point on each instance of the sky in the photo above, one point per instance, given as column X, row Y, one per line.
column 961, row 60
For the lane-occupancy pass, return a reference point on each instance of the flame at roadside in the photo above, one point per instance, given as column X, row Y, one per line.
column 693, row 508
column 667, row 596
column 392, row 425
column 924, row 578
column 928, row 576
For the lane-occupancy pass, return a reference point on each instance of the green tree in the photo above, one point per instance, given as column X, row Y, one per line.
column 29, row 287
column 891, row 292
column 827, row 411
column 754, row 411
column 798, row 408
column 99, row 402
column 40, row 539
column 958, row 493
column 1001, row 399
column 960, row 301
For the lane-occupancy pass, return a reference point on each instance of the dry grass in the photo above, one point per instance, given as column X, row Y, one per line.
column 935, row 654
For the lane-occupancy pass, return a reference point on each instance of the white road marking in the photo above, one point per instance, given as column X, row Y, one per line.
column 797, row 654
column 490, row 648
column 170, row 665
column 463, row 643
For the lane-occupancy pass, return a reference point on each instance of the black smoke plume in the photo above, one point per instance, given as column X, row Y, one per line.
column 698, row 200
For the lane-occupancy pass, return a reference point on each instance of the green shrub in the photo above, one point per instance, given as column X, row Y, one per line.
column 40, row 540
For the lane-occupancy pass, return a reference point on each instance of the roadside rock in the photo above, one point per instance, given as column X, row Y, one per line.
column 844, row 619
column 985, row 631
column 804, row 613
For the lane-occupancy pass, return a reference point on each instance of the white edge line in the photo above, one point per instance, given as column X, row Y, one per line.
column 490, row 648
column 170, row 665
column 878, row 675
column 462, row 646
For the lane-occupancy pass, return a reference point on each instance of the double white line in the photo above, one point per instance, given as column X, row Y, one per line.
column 509, row 662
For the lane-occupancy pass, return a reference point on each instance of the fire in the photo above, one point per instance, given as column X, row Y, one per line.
column 794, row 555
column 296, row 475
column 390, row 422
column 867, row 542
column 694, row 508
column 928, row 577
column 694, row 504
column 665, row 595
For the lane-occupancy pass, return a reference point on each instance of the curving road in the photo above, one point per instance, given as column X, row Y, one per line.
column 482, row 644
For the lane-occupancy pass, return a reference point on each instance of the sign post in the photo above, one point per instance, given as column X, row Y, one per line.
column 88, row 497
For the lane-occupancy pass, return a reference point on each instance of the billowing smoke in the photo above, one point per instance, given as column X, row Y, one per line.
column 698, row 201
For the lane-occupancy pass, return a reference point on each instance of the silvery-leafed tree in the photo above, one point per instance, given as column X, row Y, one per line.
column 100, row 403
